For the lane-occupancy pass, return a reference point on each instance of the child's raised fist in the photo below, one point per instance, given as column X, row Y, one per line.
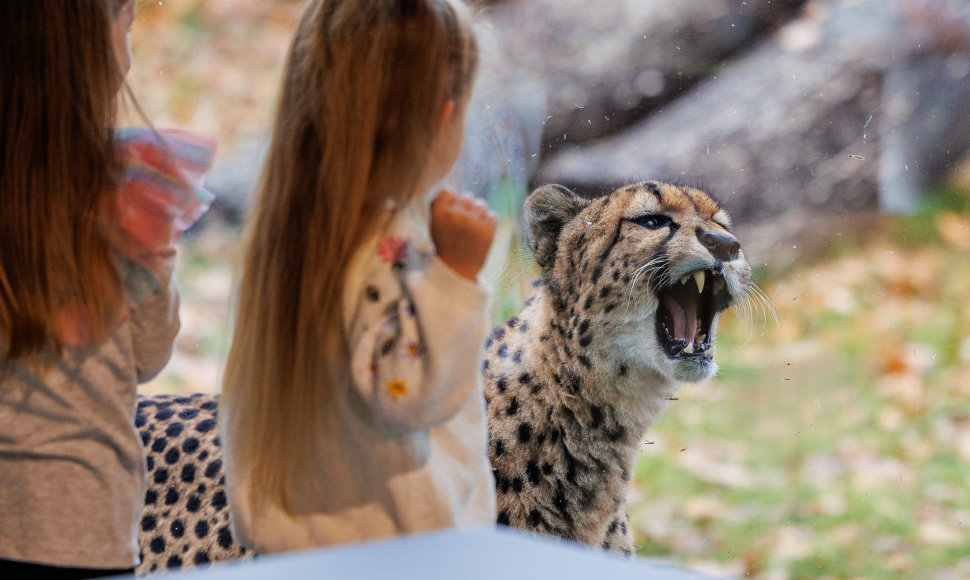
column 462, row 228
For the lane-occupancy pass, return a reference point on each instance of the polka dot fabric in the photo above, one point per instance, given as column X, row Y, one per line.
column 186, row 518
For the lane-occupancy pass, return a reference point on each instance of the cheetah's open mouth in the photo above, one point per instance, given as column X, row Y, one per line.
column 687, row 311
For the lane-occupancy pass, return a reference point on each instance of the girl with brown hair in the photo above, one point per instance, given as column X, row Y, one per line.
column 89, row 217
column 352, row 406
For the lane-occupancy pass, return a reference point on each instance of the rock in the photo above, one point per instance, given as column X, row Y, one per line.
column 926, row 106
column 795, row 124
column 609, row 63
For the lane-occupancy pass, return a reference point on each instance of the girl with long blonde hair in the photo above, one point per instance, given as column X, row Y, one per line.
column 352, row 407
column 89, row 217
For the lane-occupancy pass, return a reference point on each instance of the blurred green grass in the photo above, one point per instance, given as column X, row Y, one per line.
column 834, row 443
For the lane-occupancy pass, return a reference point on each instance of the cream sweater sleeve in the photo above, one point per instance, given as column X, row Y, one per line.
column 414, row 336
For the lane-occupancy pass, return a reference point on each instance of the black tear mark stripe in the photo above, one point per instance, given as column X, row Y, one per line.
column 598, row 271
column 673, row 229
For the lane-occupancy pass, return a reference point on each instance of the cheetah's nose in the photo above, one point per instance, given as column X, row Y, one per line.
column 722, row 246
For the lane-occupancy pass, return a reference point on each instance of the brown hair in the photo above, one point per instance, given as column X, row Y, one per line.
column 364, row 87
column 58, row 95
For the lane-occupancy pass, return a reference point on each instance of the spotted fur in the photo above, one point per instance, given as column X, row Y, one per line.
column 572, row 383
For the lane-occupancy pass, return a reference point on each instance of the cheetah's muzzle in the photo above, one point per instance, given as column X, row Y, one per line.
column 687, row 312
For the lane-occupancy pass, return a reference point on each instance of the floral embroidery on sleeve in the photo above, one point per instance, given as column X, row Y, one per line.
column 415, row 349
column 389, row 351
column 393, row 250
column 397, row 388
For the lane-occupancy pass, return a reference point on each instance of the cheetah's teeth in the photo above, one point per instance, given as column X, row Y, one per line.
column 718, row 285
column 699, row 278
column 689, row 349
column 683, row 279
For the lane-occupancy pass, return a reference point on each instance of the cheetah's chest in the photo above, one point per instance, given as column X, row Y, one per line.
column 561, row 457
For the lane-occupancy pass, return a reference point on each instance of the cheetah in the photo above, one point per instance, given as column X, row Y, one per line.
column 625, row 310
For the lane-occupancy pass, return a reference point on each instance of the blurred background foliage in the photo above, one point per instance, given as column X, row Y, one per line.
column 835, row 441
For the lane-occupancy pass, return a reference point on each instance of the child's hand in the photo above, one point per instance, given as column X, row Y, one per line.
column 462, row 229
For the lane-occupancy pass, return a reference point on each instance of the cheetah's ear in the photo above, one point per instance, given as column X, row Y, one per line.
column 547, row 210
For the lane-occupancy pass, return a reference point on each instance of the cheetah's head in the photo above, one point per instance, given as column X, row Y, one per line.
column 652, row 266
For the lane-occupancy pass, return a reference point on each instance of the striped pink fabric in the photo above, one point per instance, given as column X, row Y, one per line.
column 162, row 195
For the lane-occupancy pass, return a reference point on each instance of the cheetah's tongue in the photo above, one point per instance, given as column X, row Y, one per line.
column 684, row 315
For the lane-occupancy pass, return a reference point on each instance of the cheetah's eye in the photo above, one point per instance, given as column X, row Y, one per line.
column 653, row 222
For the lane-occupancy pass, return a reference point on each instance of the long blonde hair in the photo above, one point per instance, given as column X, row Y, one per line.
column 58, row 99
column 364, row 86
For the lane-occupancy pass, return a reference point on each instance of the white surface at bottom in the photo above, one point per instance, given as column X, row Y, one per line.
column 463, row 554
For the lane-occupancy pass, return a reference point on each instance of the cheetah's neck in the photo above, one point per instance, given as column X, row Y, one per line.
column 613, row 398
